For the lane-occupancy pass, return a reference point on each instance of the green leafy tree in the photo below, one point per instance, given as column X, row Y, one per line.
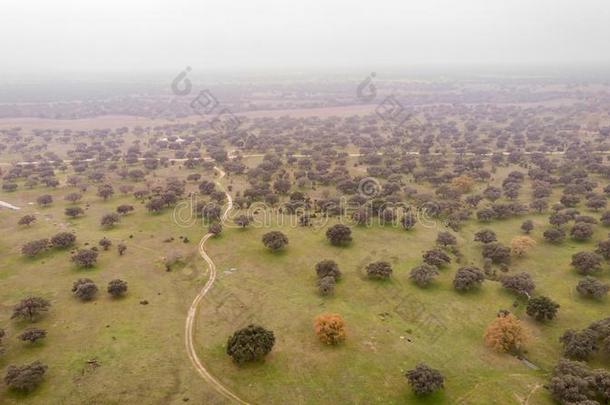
column 250, row 343
column 425, row 380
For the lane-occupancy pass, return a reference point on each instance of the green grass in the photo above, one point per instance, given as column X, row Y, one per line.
column 279, row 291
column 140, row 348
column 392, row 325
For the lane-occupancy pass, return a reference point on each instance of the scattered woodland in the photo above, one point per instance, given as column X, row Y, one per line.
column 458, row 255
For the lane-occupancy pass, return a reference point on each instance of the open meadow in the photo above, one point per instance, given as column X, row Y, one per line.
column 468, row 241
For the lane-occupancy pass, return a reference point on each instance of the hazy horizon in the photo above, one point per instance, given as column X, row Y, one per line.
column 67, row 36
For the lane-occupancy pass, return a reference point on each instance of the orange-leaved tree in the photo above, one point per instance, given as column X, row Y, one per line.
column 520, row 245
column 505, row 333
column 463, row 183
column 330, row 328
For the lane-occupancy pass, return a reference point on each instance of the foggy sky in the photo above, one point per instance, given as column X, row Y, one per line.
column 138, row 35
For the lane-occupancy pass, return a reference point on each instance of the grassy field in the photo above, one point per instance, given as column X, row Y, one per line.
column 139, row 348
column 392, row 325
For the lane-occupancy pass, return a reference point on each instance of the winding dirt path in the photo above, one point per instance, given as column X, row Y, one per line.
column 4, row 204
column 192, row 313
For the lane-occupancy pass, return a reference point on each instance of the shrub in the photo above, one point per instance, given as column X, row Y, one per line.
column 423, row 274
column 597, row 202
column 63, row 240
column 603, row 248
column 250, row 343
column 126, row 188
column 105, row 243
column 109, row 220
column 30, row 308
column 424, row 379
column 408, row 221
column 605, row 218
column 211, row 212
column 305, row 220
column 569, row 200
column 361, row 216
column 215, row 229
column 445, row 239
column 275, row 240
column 586, row 219
column 9, row 187
column 35, row 247
column 485, row 236
column 485, row 214
column 542, row 308
column 74, row 212
column 84, row 288
column 473, row 200
column 520, row 283
column 581, row 231
column 105, row 191
column 124, row 209
column 492, row 193
column 591, row 287
column 85, row 257
column 330, row 328
column 527, row 226
column 557, row 219
column 26, row 377
column 155, row 204
column 26, row 220
column 554, row 235
column 586, row 262
column 117, row 287
column 243, row 221
column 44, row 200
column 339, row 234
column 467, row 278
column 326, row 285
column 328, row 268
column 206, row 187
column 573, row 382
column 436, row 257
column 73, row 197
column 579, row 345
column 497, row 252
column 32, row 335
column 379, row 270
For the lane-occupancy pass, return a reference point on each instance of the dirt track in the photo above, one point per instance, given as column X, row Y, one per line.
column 192, row 313
column 4, row 204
